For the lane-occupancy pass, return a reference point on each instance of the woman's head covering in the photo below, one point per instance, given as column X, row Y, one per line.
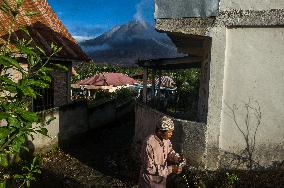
column 165, row 124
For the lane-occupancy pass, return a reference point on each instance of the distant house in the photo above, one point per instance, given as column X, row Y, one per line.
column 45, row 28
column 108, row 81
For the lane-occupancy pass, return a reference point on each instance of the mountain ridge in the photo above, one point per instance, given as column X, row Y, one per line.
column 125, row 44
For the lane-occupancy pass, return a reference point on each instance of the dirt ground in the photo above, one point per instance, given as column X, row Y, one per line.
column 98, row 158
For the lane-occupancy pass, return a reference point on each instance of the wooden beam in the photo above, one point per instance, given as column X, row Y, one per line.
column 172, row 63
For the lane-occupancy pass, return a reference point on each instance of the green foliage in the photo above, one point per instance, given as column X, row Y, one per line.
column 191, row 177
column 120, row 96
column 29, row 173
column 17, row 121
column 232, row 178
column 123, row 95
column 187, row 83
column 89, row 69
column 100, row 97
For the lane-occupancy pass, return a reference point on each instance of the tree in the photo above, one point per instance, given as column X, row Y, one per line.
column 17, row 120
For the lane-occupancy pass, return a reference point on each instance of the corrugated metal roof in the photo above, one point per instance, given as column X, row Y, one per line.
column 45, row 28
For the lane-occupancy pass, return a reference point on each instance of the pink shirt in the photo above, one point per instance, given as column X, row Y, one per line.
column 155, row 154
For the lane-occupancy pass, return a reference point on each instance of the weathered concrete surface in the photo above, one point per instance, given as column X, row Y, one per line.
column 231, row 18
column 193, row 26
column 183, row 8
column 249, row 74
column 251, row 4
column 250, row 18
column 215, row 98
column 188, row 138
column 43, row 143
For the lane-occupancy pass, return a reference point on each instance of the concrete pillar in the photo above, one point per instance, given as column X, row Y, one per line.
column 153, row 83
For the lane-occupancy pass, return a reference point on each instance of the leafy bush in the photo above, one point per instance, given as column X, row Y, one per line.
column 187, row 92
column 123, row 95
column 17, row 121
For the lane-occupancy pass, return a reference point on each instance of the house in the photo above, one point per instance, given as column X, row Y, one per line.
column 107, row 81
column 241, row 96
column 45, row 29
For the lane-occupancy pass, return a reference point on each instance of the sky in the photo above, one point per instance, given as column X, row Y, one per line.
column 89, row 18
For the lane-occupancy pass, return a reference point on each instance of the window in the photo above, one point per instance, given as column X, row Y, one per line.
column 45, row 100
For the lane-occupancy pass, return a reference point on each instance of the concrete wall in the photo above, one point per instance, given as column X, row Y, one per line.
column 254, row 70
column 251, row 4
column 73, row 119
column 188, row 138
column 77, row 118
column 185, row 8
column 108, row 112
column 42, row 143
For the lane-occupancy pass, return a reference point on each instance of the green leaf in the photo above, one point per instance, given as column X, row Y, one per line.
column 24, row 29
column 19, row 3
column 3, row 115
column 18, row 143
column 32, row 13
column 28, row 183
column 29, row 116
column 37, row 83
column 13, row 121
column 4, row 132
column 26, row 50
column 41, row 50
column 28, row 91
column 4, row 160
column 18, row 176
column 46, row 78
column 11, row 61
column 43, row 131
column 61, row 67
column 2, row 184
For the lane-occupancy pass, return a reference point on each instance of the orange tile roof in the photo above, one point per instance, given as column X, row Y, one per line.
column 45, row 28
